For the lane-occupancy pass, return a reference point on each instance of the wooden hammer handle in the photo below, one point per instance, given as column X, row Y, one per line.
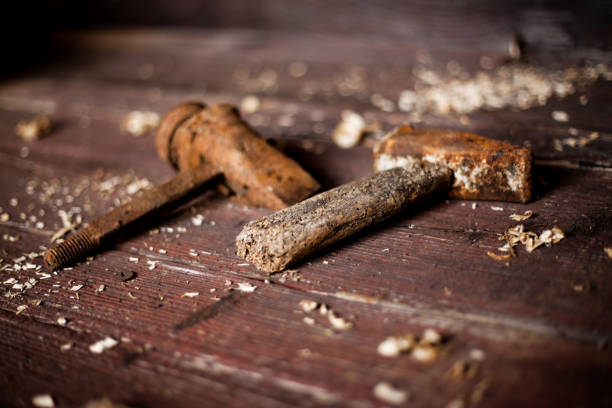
column 279, row 240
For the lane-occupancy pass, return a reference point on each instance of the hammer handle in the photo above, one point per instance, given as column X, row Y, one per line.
column 279, row 240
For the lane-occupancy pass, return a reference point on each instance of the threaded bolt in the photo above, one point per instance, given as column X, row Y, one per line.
column 72, row 250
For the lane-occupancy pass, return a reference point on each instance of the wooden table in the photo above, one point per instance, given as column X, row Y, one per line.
column 533, row 330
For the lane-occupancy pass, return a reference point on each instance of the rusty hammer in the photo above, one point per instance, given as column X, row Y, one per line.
column 204, row 143
column 410, row 165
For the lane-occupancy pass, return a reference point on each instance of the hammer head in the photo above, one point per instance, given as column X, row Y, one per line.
column 192, row 135
column 483, row 169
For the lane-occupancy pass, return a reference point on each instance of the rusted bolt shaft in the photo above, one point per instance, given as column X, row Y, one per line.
column 104, row 230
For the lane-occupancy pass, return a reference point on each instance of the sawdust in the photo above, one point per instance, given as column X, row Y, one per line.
column 32, row 130
column 386, row 392
column 510, row 86
column 349, row 131
column 526, row 215
column 137, row 123
column 531, row 241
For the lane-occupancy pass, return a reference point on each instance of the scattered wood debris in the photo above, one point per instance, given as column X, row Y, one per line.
column 152, row 264
column 21, row 308
column 498, row 257
column 246, row 287
column 349, row 131
column 33, row 129
column 608, row 251
column 100, row 288
column 133, row 259
column 509, row 86
column 62, row 321
column 334, row 319
column 137, row 123
column 104, row 344
column 43, row 401
column 67, row 224
column 497, row 208
column 384, row 391
column 463, row 370
column 250, row 104
column 526, row 215
column 560, row 116
column 75, row 288
column 66, row 346
column 197, row 220
column 190, row 294
column 395, row 345
column 517, row 235
column 338, row 322
column 582, row 141
column 308, row 305
column 425, row 349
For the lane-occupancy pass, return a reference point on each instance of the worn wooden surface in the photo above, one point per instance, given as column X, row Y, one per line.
column 542, row 319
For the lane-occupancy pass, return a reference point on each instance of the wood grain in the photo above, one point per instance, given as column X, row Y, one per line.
column 541, row 318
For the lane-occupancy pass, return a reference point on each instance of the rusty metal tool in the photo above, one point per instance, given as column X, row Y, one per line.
column 204, row 143
column 411, row 164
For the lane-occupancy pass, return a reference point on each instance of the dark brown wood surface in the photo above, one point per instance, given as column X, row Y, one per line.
column 542, row 319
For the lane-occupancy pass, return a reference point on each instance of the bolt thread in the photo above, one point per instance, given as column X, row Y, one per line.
column 73, row 249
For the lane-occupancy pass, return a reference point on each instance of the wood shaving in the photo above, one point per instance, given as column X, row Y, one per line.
column 190, row 294
column 498, row 257
column 100, row 288
column 509, row 86
column 104, row 344
column 425, row 353
column 67, row 224
column 250, row 104
column 385, row 392
column 133, row 259
column 431, row 337
column 66, row 347
column 558, row 144
column 137, row 123
column 526, row 215
column 395, row 345
column 152, row 264
column 246, row 287
column 62, row 321
column 495, row 208
column 338, row 322
column 560, row 116
column 43, row 401
column 517, row 235
column 5, row 217
column 309, row 320
column 32, row 130
column 349, row 131
column 75, row 288
column 608, row 251
column 477, row 355
column 21, row 308
column 308, row 305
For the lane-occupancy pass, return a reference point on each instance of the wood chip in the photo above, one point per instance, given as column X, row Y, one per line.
column 498, row 257
column 560, row 116
column 104, row 344
column 43, row 401
column 608, row 251
column 395, row 345
column 384, row 391
column 349, row 130
column 308, row 305
column 32, row 130
column 246, row 287
column 424, row 353
column 517, row 217
column 21, row 308
column 137, row 123
column 338, row 322
column 190, row 294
